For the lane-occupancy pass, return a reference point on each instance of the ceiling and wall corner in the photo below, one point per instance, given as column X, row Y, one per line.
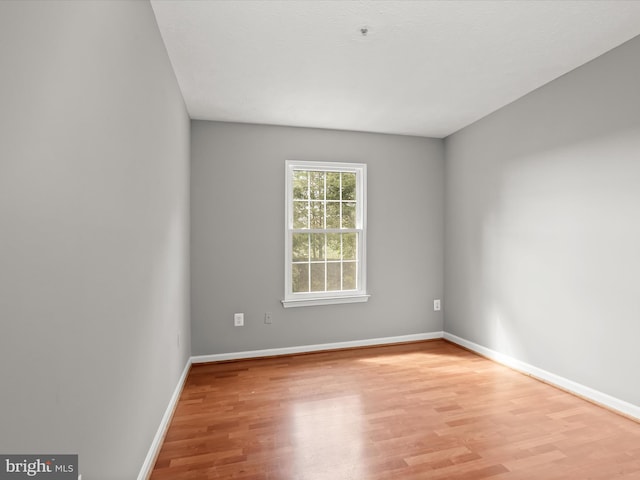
column 421, row 68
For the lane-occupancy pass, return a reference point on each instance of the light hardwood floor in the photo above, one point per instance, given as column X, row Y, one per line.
column 426, row 410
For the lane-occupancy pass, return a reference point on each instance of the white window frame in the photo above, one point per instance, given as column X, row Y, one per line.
column 304, row 299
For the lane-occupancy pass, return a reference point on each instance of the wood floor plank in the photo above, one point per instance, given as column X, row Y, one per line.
column 414, row 411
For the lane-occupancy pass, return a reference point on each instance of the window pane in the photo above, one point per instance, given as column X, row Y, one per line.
column 333, row 276
column 317, row 185
column 300, row 277
column 317, row 215
column 348, row 215
column 348, row 186
column 333, row 214
column 333, row 246
column 317, row 246
column 324, row 196
column 300, row 186
column 300, row 215
column 317, row 277
column 333, row 186
column 349, row 275
column 349, row 246
column 300, row 247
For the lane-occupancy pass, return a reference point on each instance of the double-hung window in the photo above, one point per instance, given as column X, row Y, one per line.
column 325, row 242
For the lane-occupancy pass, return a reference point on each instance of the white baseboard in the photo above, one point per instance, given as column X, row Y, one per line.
column 314, row 348
column 596, row 396
column 152, row 454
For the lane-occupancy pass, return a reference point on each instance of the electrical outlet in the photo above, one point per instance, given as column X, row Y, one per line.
column 267, row 318
column 436, row 305
column 238, row 319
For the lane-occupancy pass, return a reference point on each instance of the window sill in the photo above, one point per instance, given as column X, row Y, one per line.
column 310, row 302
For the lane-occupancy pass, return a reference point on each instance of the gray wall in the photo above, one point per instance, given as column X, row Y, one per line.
column 237, row 236
column 543, row 227
column 94, row 148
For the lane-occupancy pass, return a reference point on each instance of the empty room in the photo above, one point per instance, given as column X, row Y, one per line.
column 308, row 240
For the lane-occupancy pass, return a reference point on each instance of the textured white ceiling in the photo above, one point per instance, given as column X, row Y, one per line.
column 425, row 67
